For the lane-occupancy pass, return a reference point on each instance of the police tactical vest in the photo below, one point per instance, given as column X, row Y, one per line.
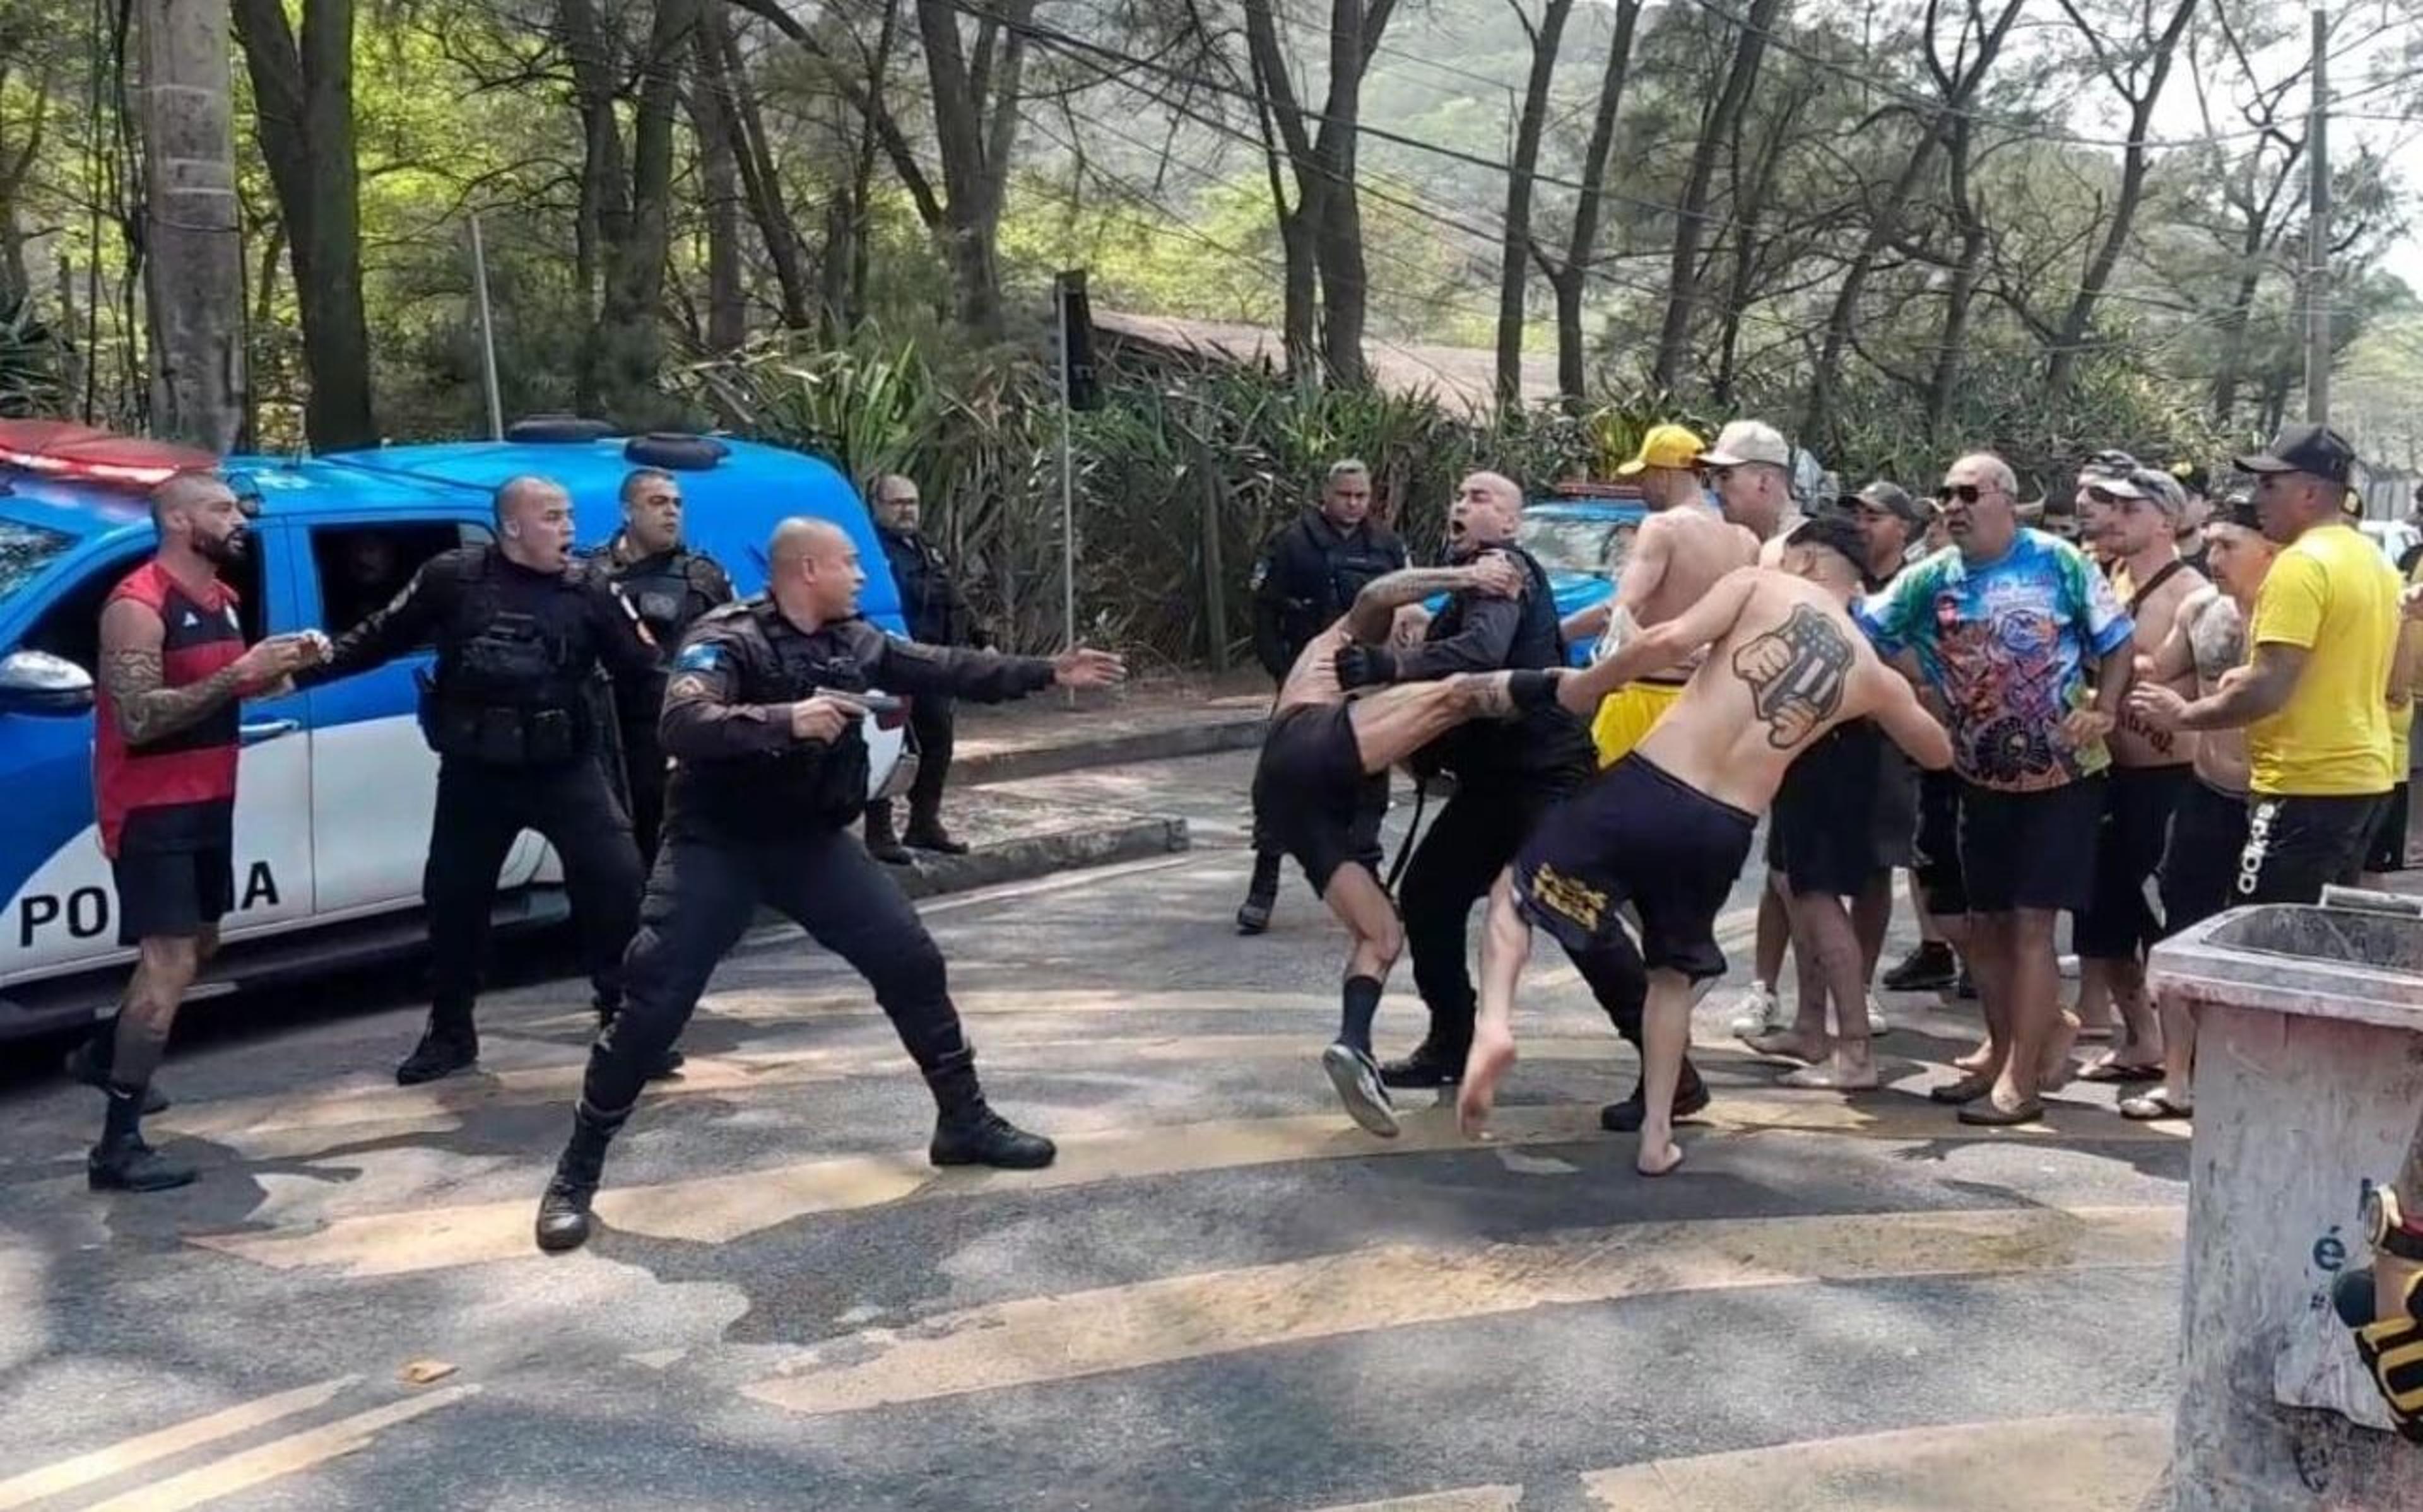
column 510, row 688
column 668, row 591
column 807, row 786
column 1348, row 564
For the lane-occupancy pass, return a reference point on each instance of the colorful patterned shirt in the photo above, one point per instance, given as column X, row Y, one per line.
column 2006, row 644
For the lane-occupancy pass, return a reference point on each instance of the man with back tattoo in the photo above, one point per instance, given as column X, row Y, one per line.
column 1667, row 829
column 173, row 669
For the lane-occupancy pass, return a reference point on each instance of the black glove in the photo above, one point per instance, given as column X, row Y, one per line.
column 2392, row 1347
column 1364, row 666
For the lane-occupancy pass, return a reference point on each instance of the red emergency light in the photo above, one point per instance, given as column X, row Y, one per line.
column 64, row 449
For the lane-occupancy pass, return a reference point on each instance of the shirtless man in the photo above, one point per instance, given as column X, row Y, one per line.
column 2133, row 513
column 1324, row 753
column 2206, row 642
column 1667, row 828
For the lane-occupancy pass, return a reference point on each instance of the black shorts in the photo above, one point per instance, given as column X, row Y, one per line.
column 1311, row 791
column 2295, row 846
column 1821, row 834
column 2200, row 862
column 1634, row 834
column 2138, row 802
column 171, row 894
column 2387, row 850
column 1935, row 855
column 1894, row 816
column 2030, row 850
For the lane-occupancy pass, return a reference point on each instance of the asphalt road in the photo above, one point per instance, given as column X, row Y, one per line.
column 1224, row 1296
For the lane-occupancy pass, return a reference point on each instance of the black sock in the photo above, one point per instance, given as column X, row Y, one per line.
column 1531, row 689
column 1361, row 1000
column 125, row 1116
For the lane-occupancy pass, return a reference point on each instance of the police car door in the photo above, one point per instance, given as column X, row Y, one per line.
column 62, row 918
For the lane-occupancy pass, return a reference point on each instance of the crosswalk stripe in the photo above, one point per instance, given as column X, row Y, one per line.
column 718, row 1209
column 2067, row 1464
column 277, row 1458
column 1469, row 1499
column 132, row 1454
column 1036, row 1341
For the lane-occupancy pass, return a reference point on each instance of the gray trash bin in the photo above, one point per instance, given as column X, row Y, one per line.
column 2309, row 1079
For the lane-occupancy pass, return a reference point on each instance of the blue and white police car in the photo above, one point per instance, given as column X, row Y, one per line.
column 337, row 785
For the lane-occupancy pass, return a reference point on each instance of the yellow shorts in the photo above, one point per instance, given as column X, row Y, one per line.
column 1627, row 716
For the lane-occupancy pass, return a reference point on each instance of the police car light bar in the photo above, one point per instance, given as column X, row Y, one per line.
column 61, row 449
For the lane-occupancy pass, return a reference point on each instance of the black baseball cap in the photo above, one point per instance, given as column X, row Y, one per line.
column 2316, row 450
column 2239, row 509
column 1892, row 498
column 2192, row 476
column 1838, row 534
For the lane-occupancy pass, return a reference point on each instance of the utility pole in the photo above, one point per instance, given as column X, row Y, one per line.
column 2318, row 235
column 193, row 262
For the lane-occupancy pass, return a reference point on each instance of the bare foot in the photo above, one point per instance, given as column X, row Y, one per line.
column 1660, row 1160
column 1491, row 1057
column 1845, row 1071
column 2054, row 1071
column 1789, row 1044
column 1979, row 1059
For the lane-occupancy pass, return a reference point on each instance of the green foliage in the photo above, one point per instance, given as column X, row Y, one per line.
column 29, row 369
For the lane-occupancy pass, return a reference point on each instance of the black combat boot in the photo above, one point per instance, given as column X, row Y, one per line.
column 446, row 1047
column 564, row 1212
column 121, row 1161
column 881, row 843
column 1433, row 1063
column 1690, row 1096
column 90, row 1061
column 1261, row 894
column 969, row 1132
column 668, row 1066
column 926, row 832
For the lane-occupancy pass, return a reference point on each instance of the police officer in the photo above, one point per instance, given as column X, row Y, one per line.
column 1308, row 577
column 522, row 630
column 937, row 615
column 669, row 585
column 769, row 771
column 1507, row 774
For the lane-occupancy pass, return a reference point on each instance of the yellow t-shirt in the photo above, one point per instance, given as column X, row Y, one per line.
column 2330, row 594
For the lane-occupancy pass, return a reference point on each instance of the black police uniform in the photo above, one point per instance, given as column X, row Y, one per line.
column 514, row 716
column 668, row 589
column 1308, row 577
column 1507, row 774
column 755, row 815
column 938, row 614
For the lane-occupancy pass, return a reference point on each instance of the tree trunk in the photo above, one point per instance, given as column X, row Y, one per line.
column 304, row 100
column 625, row 351
column 722, row 70
column 1514, row 262
column 1345, row 286
column 2063, row 368
column 1283, row 133
column 1581, row 250
column 193, row 262
column 602, row 220
column 973, row 181
column 1963, row 293
column 727, row 302
column 15, row 168
column 1690, row 215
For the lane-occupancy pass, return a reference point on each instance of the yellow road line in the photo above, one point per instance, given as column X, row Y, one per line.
column 718, row 1209
column 279, row 1458
column 132, row 1454
column 2066, row 1464
column 1040, row 1340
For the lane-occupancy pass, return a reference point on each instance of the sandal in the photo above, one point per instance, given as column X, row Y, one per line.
column 2112, row 1071
column 1966, row 1090
column 1990, row 1116
column 2154, row 1107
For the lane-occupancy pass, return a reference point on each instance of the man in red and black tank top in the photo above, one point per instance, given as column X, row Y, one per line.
column 173, row 669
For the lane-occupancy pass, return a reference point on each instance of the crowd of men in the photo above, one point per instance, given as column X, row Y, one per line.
column 2132, row 706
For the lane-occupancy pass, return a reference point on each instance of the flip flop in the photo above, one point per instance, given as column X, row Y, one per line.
column 1990, row 1116
column 2153, row 1107
column 2120, row 1073
column 1966, row 1090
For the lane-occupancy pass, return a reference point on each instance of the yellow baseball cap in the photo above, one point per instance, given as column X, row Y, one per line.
column 1664, row 445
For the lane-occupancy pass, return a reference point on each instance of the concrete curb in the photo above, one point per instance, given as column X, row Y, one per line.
column 1128, row 838
column 1017, row 763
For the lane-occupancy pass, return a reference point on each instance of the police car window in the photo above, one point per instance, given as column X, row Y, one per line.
column 71, row 626
column 362, row 567
column 25, row 550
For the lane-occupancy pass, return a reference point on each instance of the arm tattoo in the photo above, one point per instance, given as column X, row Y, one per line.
column 147, row 710
column 1795, row 673
column 1373, row 607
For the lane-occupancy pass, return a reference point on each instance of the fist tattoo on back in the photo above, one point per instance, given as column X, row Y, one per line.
column 1795, row 673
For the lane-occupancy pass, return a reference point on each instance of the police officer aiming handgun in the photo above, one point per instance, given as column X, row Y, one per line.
column 521, row 630
column 1308, row 577
column 671, row 586
column 762, row 720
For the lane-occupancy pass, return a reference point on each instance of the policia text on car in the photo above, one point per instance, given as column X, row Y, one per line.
column 521, row 631
column 763, row 721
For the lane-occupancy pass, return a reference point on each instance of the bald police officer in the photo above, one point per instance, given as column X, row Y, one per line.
column 763, row 722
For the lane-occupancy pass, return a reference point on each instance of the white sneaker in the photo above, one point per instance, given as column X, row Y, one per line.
column 1762, row 1013
column 1877, row 1021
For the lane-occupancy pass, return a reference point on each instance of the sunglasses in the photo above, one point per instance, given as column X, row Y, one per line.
column 1965, row 492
